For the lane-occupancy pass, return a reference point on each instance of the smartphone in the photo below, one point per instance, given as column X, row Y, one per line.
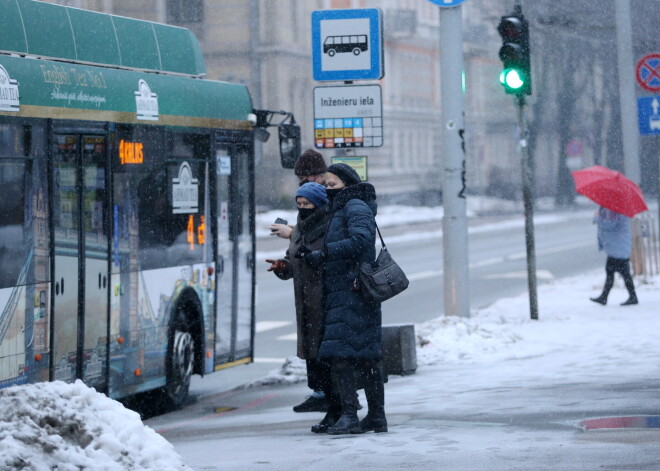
column 278, row 221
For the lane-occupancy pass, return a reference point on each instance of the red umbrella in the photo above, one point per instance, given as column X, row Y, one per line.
column 610, row 189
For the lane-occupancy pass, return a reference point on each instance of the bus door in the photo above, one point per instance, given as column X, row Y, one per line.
column 80, row 281
column 235, row 260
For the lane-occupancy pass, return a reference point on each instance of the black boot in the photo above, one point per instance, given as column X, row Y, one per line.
column 348, row 421
column 602, row 299
column 375, row 420
column 631, row 300
column 333, row 414
column 312, row 404
column 375, row 392
column 330, row 419
column 630, row 286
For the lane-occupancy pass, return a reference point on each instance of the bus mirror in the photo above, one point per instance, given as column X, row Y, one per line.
column 289, row 144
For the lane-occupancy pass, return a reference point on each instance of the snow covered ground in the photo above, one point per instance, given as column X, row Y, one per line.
column 574, row 340
column 495, row 391
column 467, row 366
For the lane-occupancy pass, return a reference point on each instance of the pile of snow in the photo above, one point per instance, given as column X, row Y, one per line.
column 66, row 427
column 568, row 322
column 293, row 370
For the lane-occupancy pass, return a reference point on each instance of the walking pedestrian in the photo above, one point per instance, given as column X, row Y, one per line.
column 353, row 326
column 615, row 238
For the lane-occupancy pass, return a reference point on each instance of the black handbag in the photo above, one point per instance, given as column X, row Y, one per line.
column 383, row 279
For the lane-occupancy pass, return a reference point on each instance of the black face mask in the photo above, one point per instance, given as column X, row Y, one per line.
column 303, row 182
column 305, row 212
column 332, row 192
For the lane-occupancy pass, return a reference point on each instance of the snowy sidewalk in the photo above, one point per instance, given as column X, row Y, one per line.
column 497, row 391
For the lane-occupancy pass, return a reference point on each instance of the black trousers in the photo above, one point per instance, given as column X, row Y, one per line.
column 319, row 375
column 351, row 375
column 621, row 265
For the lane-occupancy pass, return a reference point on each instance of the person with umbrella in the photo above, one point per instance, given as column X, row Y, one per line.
column 615, row 238
column 619, row 199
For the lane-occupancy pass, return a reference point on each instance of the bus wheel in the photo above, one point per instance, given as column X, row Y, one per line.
column 356, row 51
column 331, row 52
column 179, row 368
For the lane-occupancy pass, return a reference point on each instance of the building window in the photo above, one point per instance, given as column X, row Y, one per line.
column 184, row 11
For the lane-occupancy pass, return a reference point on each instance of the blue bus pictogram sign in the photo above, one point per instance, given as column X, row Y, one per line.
column 347, row 44
column 447, row 3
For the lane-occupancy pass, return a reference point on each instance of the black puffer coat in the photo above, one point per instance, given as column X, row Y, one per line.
column 352, row 325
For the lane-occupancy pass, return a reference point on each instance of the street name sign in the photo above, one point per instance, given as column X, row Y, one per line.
column 347, row 116
column 347, row 44
column 648, row 114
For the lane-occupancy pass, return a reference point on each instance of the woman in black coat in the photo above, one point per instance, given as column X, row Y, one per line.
column 352, row 337
column 312, row 223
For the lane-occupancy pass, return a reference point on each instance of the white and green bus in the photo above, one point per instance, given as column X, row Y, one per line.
column 126, row 205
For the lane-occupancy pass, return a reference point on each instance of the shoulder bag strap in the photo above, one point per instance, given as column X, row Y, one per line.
column 382, row 242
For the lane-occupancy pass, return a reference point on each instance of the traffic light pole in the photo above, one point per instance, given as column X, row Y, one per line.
column 529, row 209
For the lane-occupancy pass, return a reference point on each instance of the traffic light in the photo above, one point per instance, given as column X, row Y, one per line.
column 516, row 76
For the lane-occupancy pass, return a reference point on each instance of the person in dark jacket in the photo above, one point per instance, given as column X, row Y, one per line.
column 313, row 218
column 615, row 238
column 309, row 167
column 352, row 337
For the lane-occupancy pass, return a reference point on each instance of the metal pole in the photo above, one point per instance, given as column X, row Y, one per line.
column 529, row 210
column 255, row 71
column 454, row 221
column 626, row 71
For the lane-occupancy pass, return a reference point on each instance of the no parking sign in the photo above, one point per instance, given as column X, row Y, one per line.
column 647, row 72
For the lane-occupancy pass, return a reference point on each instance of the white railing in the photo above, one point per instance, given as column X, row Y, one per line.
column 645, row 259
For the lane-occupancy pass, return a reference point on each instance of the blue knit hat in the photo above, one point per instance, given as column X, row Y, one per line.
column 314, row 192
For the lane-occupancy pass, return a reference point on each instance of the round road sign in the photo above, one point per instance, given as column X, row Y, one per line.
column 574, row 148
column 647, row 72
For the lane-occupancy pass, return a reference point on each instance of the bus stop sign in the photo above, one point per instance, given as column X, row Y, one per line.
column 447, row 3
column 347, row 44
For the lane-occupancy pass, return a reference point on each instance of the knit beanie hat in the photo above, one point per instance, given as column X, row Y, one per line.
column 346, row 173
column 314, row 192
column 310, row 162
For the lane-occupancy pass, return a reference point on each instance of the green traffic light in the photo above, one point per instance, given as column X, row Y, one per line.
column 512, row 79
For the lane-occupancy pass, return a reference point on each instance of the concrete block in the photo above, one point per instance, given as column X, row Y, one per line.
column 399, row 353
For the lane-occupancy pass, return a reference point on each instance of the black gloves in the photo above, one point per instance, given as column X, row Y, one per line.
column 312, row 258
column 315, row 258
column 302, row 251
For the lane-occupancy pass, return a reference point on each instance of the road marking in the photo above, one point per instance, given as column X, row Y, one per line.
column 540, row 274
column 422, row 275
column 543, row 274
column 263, row 326
column 293, row 336
column 269, row 360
